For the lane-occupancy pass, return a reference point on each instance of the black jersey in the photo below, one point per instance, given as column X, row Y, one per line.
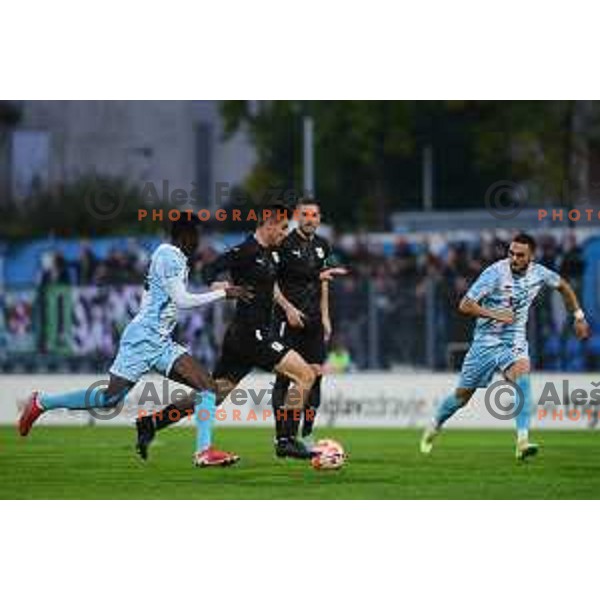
column 254, row 266
column 301, row 262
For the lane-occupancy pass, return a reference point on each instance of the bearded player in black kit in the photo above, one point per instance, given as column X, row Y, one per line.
column 302, row 315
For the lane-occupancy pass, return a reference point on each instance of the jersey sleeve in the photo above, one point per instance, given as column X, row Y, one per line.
column 280, row 257
column 549, row 277
column 279, row 260
column 484, row 285
column 331, row 259
column 327, row 252
column 170, row 267
column 183, row 299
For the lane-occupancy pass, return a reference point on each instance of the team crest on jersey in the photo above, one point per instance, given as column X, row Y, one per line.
column 320, row 252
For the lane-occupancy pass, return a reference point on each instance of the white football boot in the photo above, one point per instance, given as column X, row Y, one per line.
column 430, row 433
column 525, row 449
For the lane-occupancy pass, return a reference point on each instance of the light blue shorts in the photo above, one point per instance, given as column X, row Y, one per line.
column 142, row 350
column 482, row 361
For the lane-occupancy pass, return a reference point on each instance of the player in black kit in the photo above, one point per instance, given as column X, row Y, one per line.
column 250, row 340
column 302, row 314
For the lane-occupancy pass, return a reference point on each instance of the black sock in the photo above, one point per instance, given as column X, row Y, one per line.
column 292, row 422
column 308, row 421
column 310, row 411
column 169, row 415
column 278, row 400
column 288, row 420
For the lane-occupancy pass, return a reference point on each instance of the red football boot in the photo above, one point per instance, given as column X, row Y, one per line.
column 30, row 413
column 211, row 457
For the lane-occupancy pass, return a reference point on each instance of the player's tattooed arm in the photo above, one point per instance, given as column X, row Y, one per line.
column 582, row 329
column 471, row 308
column 569, row 296
column 294, row 317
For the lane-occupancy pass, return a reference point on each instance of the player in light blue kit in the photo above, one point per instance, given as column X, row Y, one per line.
column 147, row 344
column 500, row 300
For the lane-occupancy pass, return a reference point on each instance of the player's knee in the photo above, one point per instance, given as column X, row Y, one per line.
column 519, row 369
column 464, row 395
column 317, row 370
column 307, row 377
column 303, row 378
column 203, row 382
column 223, row 387
column 209, row 383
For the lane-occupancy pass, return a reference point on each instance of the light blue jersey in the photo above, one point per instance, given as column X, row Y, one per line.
column 497, row 345
column 146, row 343
column 158, row 311
column 498, row 288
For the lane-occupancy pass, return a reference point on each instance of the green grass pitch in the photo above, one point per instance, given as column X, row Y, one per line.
column 98, row 462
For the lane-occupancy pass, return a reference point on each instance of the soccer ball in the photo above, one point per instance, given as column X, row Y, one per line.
column 329, row 455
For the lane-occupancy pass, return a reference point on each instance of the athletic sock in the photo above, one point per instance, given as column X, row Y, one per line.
column 446, row 409
column 292, row 422
column 80, row 399
column 288, row 421
column 308, row 420
column 206, row 409
column 278, row 400
column 168, row 416
column 310, row 411
column 523, row 382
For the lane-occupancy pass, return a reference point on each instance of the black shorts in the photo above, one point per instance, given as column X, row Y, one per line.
column 244, row 350
column 308, row 341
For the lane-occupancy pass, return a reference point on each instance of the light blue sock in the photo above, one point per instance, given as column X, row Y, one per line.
column 447, row 407
column 96, row 398
column 523, row 417
column 206, row 407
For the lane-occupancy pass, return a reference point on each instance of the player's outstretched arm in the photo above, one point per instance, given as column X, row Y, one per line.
column 184, row 299
column 330, row 273
column 470, row 308
column 582, row 329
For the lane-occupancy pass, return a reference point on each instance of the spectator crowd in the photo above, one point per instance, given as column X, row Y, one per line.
column 400, row 287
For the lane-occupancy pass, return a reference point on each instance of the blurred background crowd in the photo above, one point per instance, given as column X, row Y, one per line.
column 396, row 309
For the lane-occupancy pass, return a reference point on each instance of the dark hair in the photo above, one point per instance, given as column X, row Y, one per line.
column 184, row 224
column 278, row 210
column 308, row 200
column 525, row 238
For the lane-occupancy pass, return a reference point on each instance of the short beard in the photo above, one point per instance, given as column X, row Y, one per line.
column 519, row 271
column 308, row 233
